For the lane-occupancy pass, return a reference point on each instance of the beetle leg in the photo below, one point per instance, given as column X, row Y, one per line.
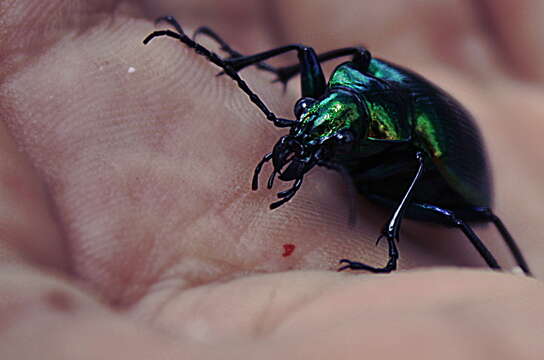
column 223, row 64
column 390, row 266
column 508, row 239
column 476, row 242
column 450, row 218
column 361, row 56
column 204, row 30
column 391, row 229
column 313, row 81
column 213, row 35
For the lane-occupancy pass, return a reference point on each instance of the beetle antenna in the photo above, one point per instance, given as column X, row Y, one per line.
column 215, row 59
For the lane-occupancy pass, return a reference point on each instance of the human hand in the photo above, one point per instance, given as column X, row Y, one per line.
column 137, row 186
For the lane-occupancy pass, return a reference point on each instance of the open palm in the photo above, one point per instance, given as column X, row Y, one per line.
column 129, row 227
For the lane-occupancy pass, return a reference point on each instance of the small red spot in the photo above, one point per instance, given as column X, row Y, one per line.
column 288, row 249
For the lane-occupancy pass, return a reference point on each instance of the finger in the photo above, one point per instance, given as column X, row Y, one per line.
column 45, row 317
column 29, row 232
column 443, row 314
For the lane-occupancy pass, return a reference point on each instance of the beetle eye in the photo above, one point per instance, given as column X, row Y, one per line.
column 344, row 137
column 343, row 141
column 301, row 106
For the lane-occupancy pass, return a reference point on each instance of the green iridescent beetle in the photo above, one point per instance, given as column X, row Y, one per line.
column 403, row 142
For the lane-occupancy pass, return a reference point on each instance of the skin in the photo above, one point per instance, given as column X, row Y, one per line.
column 128, row 229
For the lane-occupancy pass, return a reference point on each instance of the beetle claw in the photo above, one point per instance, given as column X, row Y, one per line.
column 355, row 265
column 345, row 267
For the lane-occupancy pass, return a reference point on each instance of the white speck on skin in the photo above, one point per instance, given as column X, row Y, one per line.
column 131, row 70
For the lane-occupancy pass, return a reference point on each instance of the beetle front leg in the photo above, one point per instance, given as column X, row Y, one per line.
column 391, row 229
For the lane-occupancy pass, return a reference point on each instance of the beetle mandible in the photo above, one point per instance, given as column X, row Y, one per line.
column 403, row 142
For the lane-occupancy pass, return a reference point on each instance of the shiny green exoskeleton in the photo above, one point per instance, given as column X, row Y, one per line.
column 401, row 141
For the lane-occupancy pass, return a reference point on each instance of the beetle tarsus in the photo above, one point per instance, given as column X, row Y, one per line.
column 355, row 265
column 390, row 266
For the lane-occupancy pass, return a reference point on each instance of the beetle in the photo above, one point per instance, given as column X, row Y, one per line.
column 403, row 142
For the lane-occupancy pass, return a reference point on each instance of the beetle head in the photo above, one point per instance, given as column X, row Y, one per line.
column 325, row 127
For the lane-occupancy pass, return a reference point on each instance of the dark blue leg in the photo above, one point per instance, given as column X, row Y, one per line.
column 204, row 30
column 361, row 56
column 509, row 240
column 391, row 229
column 313, row 82
column 486, row 214
column 449, row 217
